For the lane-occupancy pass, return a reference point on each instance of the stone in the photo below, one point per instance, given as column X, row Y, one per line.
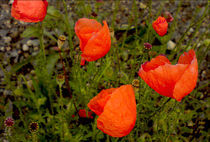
column 7, row 39
column 35, row 42
column 2, row 49
column 29, row 42
column 14, row 53
column 8, row 48
column 36, row 48
column 26, row 55
column 142, row 6
column 170, row 45
column 25, row 47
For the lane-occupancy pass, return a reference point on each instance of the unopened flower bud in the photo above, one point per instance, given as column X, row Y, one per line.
column 60, row 79
column 135, row 83
column 61, row 40
column 33, row 126
column 147, row 46
column 9, row 122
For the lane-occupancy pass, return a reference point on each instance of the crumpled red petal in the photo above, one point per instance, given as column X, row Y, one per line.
column 175, row 81
column 116, row 108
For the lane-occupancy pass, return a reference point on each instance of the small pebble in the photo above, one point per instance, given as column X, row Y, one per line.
column 171, row 45
column 29, row 43
column 26, row 55
column 142, row 6
column 35, row 42
column 19, row 51
column 7, row 39
column 14, row 53
column 14, row 34
column 8, row 48
column 36, row 48
column 2, row 49
column 25, row 47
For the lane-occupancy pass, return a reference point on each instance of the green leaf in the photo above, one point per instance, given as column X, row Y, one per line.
column 31, row 32
column 52, row 12
column 41, row 101
column 51, row 61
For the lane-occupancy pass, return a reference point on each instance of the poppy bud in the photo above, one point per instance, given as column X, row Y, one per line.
column 116, row 108
column 160, row 26
column 95, row 40
column 33, row 127
column 9, row 122
column 135, row 83
column 29, row 10
column 61, row 40
column 175, row 81
column 147, row 46
column 60, row 79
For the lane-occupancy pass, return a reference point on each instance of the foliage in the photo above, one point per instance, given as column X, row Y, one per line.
column 158, row 118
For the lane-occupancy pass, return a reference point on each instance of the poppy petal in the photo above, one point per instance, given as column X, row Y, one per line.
column 187, row 82
column 29, row 11
column 85, row 29
column 175, row 81
column 116, row 109
column 98, row 102
column 98, row 45
column 119, row 115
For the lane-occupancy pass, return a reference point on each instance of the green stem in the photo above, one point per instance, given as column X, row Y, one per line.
column 161, row 107
column 62, row 112
column 41, row 40
column 66, row 79
column 107, row 138
column 64, row 71
column 34, row 137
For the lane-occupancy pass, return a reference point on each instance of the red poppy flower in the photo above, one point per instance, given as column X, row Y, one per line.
column 29, row 10
column 160, row 26
column 95, row 41
column 82, row 113
column 116, row 108
column 175, row 81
